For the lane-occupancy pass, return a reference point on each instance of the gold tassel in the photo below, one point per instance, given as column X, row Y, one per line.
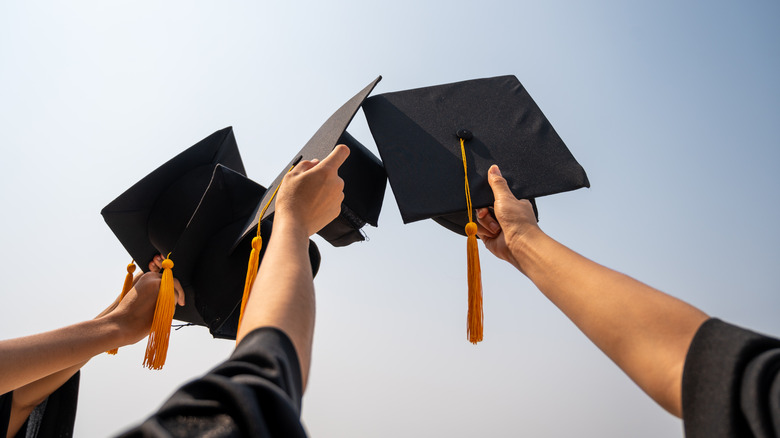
column 125, row 289
column 474, row 324
column 254, row 259
column 159, row 335
column 251, row 273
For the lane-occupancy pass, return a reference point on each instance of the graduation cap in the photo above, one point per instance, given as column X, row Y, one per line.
column 140, row 217
column 362, row 172
column 364, row 185
column 213, row 278
column 192, row 208
column 437, row 144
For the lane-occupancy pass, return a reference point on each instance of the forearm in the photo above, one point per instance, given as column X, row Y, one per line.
column 283, row 293
column 29, row 396
column 24, row 360
column 644, row 331
column 32, row 394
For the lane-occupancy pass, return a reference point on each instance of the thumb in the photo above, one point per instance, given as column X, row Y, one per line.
column 498, row 183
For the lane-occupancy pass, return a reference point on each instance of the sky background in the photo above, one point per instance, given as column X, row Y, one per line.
column 672, row 108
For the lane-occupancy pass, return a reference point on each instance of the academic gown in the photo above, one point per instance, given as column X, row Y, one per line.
column 731, row 383
column 731, row 388
column 255, row 393
column 52, row 418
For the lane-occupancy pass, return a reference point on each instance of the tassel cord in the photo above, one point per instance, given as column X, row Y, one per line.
column 474, row 324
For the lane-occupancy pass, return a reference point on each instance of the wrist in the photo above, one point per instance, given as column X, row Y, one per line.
column 291, row 228
column 523, row 245
column 111, row 326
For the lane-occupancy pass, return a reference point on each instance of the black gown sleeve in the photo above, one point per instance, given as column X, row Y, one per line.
column 731, row 383
column 54, row 417
column 5, row 411
column 257, row 393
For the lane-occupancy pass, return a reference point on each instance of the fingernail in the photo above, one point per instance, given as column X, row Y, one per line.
column 494, row 170
column 315, row 161
column 494, row 227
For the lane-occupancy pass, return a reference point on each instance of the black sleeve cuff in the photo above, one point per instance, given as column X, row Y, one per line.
column 257, row 392
column 271, row 350
column 720, row 373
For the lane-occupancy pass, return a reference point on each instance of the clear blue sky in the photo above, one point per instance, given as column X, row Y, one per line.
column 672, row 108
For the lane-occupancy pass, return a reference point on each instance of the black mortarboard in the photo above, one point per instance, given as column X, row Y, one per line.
column 417, row 134
column 362, row 172
column 141, row 216
column 428, row 137
column 194, row 207
column 213, row 280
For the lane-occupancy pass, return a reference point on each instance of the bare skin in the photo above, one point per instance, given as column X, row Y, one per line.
column 283, row 294
column 35, row 366
column 643, row 330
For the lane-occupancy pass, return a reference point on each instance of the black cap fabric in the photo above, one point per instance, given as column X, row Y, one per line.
column 418, row 136
column 141, row 216
column 362, row 172
column 194, row 207
column 211, row 274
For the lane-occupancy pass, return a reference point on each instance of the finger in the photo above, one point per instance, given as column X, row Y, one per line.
column 485, row 234
column 336, row 157
column 498, row 183
column 156, row 264
column 305, row 165
column 487, row 221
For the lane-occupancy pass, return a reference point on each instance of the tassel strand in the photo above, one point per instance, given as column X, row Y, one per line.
column 474, row 324
column 128, row 284
column 254, row 259
column 159, row 335
column 251, row 273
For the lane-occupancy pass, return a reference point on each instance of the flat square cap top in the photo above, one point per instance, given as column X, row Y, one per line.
column 418, row 136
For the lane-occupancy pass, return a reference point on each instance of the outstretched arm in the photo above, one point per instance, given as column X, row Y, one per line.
column 283, row 293
column 27, row 397
column 30, row 358
column 644, row 331
column 27, row 359
column 35, row 366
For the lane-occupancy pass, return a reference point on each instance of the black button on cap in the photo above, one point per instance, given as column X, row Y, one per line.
column 465, row 134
